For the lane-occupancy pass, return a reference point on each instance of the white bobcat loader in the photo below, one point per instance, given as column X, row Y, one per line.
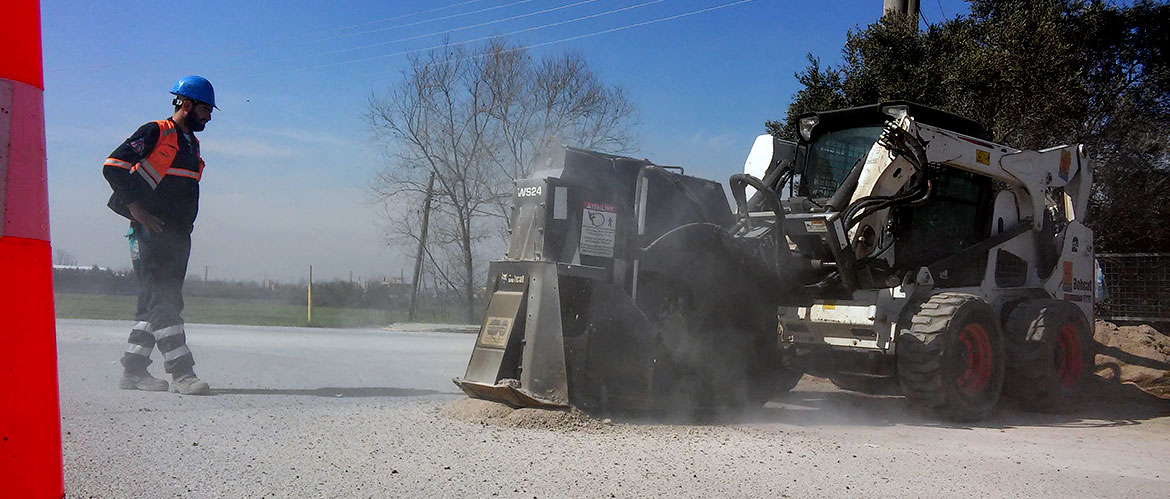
column 909, row 253
column 958, row 265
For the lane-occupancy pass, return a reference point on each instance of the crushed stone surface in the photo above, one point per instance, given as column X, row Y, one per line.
column 370, row 413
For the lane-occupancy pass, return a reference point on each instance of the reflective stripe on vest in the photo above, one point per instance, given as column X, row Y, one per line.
column 118, row 163
column 158, row 164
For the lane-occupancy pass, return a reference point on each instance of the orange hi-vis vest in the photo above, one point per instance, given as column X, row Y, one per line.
column 158, row 164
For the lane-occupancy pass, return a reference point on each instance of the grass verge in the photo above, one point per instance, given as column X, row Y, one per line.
column 226, row 311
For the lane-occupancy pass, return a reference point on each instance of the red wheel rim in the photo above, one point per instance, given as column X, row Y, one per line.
column 976, row 352
column 1069, row 356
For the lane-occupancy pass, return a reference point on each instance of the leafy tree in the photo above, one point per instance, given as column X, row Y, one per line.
column 1036, row 73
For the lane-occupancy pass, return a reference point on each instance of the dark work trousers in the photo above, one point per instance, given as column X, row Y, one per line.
column 160, row 264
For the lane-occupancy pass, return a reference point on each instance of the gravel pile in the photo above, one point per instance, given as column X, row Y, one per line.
column 1137, row 355
column 492, row 413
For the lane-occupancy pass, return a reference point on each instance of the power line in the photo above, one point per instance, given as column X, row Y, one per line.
column 602, row 32
column 644, row 23
column 435, row 33
column 464, row 42
column 378, row 21
column 444, row 18
column 597, row 33
column 462, row 28
column 403, row 16
column 272, row 41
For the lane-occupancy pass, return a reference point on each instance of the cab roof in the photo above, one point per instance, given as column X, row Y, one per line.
column 872, row 115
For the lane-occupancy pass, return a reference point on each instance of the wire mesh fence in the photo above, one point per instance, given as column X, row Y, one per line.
column 1137, row 287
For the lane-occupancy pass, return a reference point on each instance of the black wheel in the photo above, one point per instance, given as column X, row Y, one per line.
column 768, row 381
column 1050, row 355
column 866, row 384
column 951, row 361
column 674, row 393
column 786, row 379
column 711, row 354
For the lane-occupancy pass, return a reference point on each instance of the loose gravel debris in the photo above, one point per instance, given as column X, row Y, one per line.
column 493, row 413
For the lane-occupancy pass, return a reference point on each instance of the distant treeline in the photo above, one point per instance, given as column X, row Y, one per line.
column 344, row 294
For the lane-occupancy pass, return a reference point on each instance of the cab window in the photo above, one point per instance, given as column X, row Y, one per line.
column 832, row 155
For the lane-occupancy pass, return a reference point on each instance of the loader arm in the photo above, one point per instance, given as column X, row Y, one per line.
column 1030, row 173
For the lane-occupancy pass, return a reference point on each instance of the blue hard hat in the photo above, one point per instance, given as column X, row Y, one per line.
column 195, row 87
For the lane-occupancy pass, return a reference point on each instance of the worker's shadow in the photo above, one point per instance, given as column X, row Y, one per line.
column 332, row 391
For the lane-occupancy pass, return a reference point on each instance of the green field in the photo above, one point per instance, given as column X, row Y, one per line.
column 228, row 311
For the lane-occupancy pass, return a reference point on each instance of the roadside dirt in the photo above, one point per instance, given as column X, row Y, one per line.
column 1135, row 355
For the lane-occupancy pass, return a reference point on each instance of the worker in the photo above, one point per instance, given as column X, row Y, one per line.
column 155, row 177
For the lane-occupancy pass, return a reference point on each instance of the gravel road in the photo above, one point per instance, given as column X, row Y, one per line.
column 372, row 413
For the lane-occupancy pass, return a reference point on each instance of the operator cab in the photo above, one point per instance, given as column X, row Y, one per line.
column 830, row 154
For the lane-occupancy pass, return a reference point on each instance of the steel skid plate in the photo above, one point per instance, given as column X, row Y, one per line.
column 506, row 392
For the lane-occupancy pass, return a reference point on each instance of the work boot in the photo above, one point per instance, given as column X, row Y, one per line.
column 141, row 380
column 188, row 384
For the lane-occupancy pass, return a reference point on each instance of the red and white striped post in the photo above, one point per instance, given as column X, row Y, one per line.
column 30, row 417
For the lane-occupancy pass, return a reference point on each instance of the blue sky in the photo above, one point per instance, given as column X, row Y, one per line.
column 288, row 154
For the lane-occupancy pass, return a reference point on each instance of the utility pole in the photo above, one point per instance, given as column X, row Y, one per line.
column 204, row 273
column 909, row 7
column 309, row 319
column 422, row 243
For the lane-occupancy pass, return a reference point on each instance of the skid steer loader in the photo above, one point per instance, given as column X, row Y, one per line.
column 892, row 247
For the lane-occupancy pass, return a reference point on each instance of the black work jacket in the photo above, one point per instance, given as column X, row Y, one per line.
column 176, row 199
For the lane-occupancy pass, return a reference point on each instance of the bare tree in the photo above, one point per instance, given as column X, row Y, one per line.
column 474, row 117
column 63, row 257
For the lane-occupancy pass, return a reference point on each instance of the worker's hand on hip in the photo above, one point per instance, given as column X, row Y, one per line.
column 148, row 222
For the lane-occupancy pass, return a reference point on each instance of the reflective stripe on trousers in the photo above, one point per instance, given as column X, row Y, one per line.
column 161, row 268
column 141, row 342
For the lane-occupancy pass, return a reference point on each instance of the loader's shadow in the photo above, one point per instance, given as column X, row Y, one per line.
column 818, row 403
column 1106, row 404
column 333, row 392
column 1129, row 358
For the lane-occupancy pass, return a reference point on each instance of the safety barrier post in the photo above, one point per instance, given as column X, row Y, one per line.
column 30, row 418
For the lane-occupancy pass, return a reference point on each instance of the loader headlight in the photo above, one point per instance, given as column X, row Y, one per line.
column 806, row 126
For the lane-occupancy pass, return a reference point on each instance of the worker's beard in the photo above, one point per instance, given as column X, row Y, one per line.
column 193, row 123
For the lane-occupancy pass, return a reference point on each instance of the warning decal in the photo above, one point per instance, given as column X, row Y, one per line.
column 815, row 226
column 495, row 332
column 598, row 228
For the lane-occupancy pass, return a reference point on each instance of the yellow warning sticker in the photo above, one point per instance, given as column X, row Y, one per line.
column 815, row 226
column 495, row 332
column 983, row 157
column 829, row 305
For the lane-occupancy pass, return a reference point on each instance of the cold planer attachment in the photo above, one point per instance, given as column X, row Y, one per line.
column 583, row 309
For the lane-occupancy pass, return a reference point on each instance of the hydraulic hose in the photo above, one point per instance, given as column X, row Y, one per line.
column 682, row 188
column 738, row 184
column 902, row 144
